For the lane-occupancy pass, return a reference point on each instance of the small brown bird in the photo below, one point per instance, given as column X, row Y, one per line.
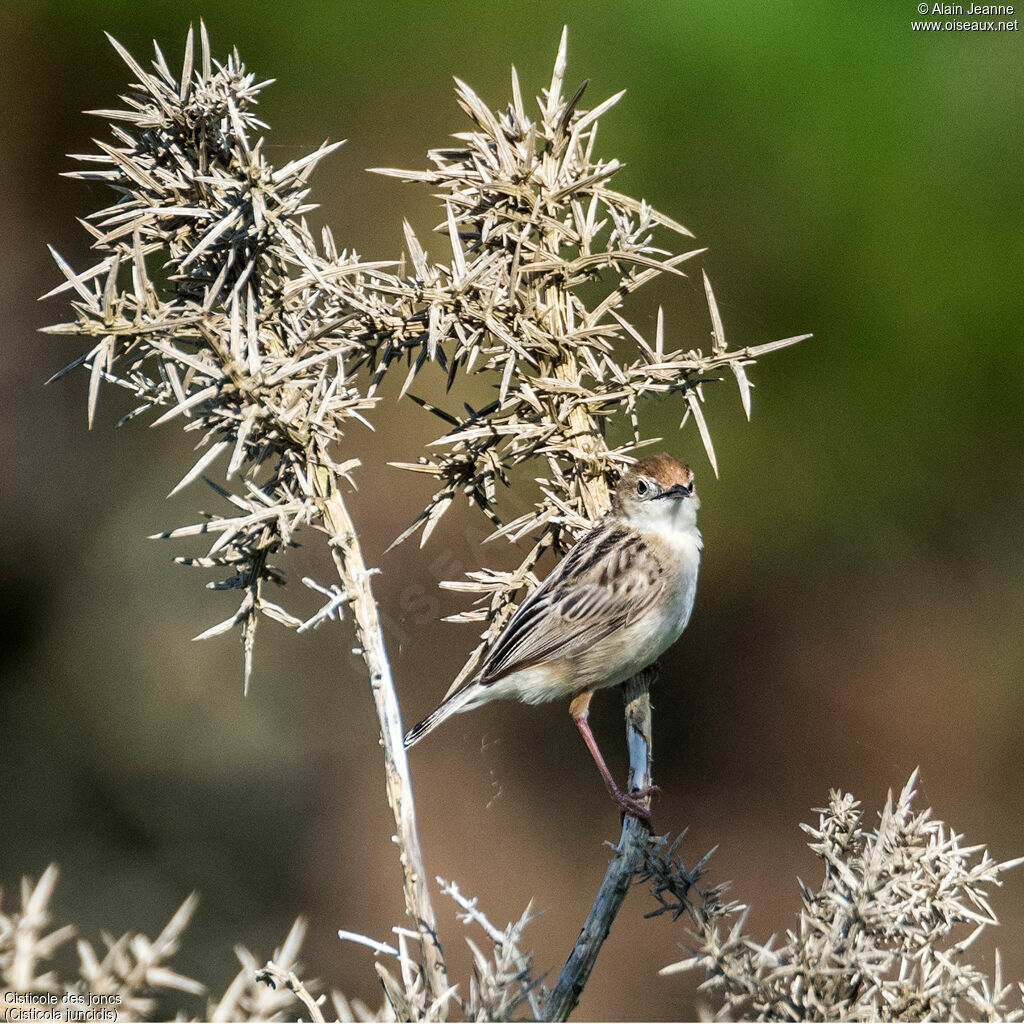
column 618, row 599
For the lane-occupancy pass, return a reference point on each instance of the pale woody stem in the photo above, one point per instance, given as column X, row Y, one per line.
column 352, row 569
column 594, row 491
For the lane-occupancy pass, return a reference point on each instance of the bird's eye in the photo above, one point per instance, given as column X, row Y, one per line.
column 642, row 488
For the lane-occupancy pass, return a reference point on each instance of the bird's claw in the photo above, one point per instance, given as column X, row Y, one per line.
column 630, row 804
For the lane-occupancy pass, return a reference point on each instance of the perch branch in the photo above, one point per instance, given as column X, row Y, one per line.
column 626, row 862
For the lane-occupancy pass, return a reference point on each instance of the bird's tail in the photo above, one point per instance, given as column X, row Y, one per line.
column 461, row 700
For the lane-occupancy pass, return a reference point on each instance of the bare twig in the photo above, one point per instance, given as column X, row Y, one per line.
column 626, row 861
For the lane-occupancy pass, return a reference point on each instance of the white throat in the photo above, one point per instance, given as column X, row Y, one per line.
column 672, row 519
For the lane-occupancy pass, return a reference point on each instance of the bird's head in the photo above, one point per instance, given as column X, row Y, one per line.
column 657, row 494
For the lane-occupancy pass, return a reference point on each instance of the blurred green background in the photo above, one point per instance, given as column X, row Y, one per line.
column 861, row 598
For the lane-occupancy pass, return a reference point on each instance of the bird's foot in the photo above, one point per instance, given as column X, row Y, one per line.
column 631, row 805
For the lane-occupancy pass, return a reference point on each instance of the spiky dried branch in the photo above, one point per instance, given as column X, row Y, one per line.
column 545, row 255
column 213, row 301
column 125, row 977
column 493, row 995
column 874, row 942
column 501, row 984
column 132, row 972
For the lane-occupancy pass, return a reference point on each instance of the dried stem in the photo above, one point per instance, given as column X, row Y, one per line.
column 627, row 861
column 355, row 577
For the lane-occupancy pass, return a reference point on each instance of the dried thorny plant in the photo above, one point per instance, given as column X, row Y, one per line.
column 213, row 304
column 502, row 983
column 131, row 973
column 195, row 307
column 133, row 979
column 213, row 300
column 884, row 937
column 545, row 256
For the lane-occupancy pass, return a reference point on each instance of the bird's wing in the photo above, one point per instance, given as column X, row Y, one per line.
column 604, row 583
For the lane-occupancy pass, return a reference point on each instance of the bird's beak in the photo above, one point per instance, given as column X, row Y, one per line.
column 678, row 491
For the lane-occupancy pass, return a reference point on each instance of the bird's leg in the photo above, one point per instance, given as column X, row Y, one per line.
column 629, row 803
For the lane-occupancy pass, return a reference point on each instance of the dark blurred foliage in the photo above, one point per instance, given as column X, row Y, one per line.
column 861, row 599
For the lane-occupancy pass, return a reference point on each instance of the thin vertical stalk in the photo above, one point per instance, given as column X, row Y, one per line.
column 348, row 558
